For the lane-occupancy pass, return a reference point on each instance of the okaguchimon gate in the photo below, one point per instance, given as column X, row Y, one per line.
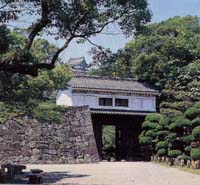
column 122, row 103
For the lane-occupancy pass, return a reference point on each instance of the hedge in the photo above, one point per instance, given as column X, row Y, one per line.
column 171, row 136
column 174, row 153
column 173, row 126
column 192, row 113
column 195, row 122
column 188, row 148
column 162, row 152
column 153, row 117
column 145, row 140
column 148, row 125
column 195, row 153
column 151, row 133
column 187, row 138
column 185, row 157
column 162, row 133
column 196, row 132
column 182, row 122
column 164, row 121
column 161, row 144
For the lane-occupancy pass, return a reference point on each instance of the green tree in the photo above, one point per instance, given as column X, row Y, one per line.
column 166, row 55
column 66, row 20
column 21, row 94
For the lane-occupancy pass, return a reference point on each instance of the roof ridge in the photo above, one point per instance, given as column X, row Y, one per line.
column 76, row 58
column 106, row 78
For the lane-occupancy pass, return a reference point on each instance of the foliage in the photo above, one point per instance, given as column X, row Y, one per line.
column 192, row 112
column 162, row 152
column 195, row 122
column 66, row 20
column 167, row 56
column 24, row 94
column 44, row 112
column 195, row 153
column 148, row 125
column 108, row 137
column 185, row 157
column 187, row 138
column 161, row 144
column 153, row 117
column 175, row 134
column 151, row 133
column 145, row 140
column 162, row 133
column 188, row 148
column 165, row 121
column 172, row 136
column 174, row 153
column 179, row 122
column 48, row 112
column 196, row 132
column 182, row 122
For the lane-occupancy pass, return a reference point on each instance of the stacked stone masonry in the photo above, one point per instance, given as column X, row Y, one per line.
column 30, row 141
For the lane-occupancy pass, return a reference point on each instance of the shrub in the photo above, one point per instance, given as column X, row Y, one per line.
column 188, row 148
column 143, row 133
column 49, row 112
column 196, row 132
column 179, row 122
column 171, row 136
column 192, row 113
column 147, row 125
column 162, row 152
column 145, row 140
column 164, row 121
column 195, row 153
column 197, row 105
column 162, row 133
column 195, row 122
column 182, row 122
column 153, row 117
column 161, row 144
column 187, row 138
column 185, row 157
column 158, row 128
column 172, row 126
column 151, row 133
column 174, row 153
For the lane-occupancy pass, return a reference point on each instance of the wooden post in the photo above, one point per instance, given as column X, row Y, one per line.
column 117, row 141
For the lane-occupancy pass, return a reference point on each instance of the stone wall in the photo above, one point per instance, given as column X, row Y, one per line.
column 30, row 141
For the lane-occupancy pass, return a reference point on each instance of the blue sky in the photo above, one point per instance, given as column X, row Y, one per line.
column 161, row 9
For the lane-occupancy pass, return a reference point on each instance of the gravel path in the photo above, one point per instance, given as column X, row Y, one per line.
column 116, row 173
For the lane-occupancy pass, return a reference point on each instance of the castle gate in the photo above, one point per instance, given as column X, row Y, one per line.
column 127, row 130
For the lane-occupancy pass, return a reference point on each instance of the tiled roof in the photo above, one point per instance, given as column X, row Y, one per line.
column 122, row 112
column 76, row 61
column 111, row 84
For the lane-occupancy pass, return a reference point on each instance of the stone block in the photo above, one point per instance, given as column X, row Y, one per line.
column 182, row 164
column 35, row 152
column 188, row 163
column 197, row 164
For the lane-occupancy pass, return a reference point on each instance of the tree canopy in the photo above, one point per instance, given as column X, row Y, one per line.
column 64, row 20
column 166, row 55
column 23, row 94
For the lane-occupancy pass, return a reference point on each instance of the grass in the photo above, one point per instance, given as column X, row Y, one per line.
column 189, row 170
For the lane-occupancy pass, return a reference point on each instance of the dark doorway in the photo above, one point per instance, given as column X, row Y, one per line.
column 108, row 142
column 127, row 130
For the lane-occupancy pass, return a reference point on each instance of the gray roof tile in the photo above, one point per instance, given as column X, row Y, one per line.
column 105, row 83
